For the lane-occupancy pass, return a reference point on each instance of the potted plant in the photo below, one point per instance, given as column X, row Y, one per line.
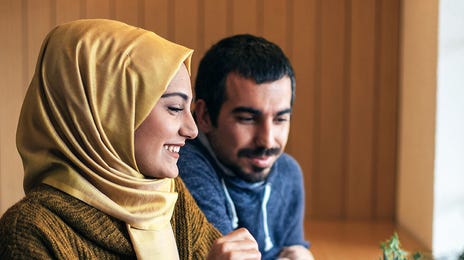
column 392, row 250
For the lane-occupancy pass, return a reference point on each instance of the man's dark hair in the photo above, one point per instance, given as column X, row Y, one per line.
column 249, row 56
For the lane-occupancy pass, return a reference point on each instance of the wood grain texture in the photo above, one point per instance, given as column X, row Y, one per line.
column 156, row 16
column 350, row 239
column 244, row 16
column 98, row 9
column 387, row 52
column 12, row 70
column 303, row 54
column 360, row 109
column 330, row 126
column 345, row 55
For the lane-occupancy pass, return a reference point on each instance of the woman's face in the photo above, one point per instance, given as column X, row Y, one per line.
column 159, row 138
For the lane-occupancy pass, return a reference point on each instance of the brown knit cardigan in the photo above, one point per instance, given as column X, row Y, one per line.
column 50, row 224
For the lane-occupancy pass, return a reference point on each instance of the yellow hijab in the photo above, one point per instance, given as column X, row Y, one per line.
column 95, row 82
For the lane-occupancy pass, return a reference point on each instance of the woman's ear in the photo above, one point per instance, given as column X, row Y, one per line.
column 202, row 116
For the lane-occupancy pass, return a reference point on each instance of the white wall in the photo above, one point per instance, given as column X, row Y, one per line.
column 448, row 224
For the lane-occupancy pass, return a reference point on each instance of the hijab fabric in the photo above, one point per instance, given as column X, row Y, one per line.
column 95, row 82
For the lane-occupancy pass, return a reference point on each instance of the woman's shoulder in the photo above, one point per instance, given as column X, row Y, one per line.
column 28, row 209
column 26, row 222
column 49, row 220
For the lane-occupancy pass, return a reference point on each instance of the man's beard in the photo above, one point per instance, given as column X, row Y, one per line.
column 257, row 174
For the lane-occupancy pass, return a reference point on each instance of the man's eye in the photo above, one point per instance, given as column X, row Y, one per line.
column 176, row 109
column 245, row 119
column 282, row 119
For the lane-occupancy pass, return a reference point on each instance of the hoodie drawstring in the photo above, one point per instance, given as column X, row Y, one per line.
column 232, row 205
column 267, row 194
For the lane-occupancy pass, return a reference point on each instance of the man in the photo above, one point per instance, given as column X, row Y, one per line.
column 236, row 169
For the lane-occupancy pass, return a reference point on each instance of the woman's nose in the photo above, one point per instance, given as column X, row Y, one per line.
column 189, row 128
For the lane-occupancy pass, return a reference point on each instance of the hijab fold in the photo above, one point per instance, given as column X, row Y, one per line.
column 95, row 82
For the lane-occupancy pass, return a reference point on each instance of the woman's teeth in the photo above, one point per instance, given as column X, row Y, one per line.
column 172, row 148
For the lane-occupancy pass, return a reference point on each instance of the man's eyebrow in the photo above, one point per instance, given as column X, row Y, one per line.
column 246, row 110
column 258, row 112
column 180, row 94
column 285, row 111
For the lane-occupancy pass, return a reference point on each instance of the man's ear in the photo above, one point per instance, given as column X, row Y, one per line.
column 202, row 116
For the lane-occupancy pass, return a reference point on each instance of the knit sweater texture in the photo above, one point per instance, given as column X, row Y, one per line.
column 50, row 224
column 284, row 211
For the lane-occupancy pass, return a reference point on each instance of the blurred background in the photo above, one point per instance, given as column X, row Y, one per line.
column 378, row 120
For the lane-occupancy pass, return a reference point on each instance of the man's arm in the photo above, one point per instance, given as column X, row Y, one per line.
column 296, row 245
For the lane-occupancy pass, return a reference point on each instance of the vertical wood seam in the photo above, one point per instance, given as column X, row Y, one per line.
column 171, row 20
column 346, row 112
column 229, row 17
column 25, row 44
column 260, row 17
column 376, row 107
column 316, row 104
column 289, row 30
column 82, row 9
column 398, row 99
column 141, row 13
column 112, row 7
column 53, row 13
column 201, row 24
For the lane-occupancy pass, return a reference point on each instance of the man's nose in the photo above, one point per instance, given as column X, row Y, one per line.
column 264, row 136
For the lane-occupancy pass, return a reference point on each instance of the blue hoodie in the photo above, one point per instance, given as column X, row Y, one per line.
column 272, row 210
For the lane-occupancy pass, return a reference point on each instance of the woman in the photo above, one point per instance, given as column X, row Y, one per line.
column 99, row 134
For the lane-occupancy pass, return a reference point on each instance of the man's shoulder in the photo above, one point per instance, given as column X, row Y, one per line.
column 193, row 147
column 286, row 172
column 195, row 162
column 193, row 153
column 286, row 162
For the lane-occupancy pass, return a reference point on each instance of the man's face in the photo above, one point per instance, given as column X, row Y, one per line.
column 252, row 126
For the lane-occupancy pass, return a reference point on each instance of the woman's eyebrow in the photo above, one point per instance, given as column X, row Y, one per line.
column 180, row 94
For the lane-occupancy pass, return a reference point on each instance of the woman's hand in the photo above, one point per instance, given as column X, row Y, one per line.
column 238, row 244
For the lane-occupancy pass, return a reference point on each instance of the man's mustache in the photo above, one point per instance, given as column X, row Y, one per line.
column 258, row 152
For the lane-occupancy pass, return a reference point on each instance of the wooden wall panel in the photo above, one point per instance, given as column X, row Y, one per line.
column 360, row 107
column 129, row 12
column 344, row 52
column 386, row 117
column 97, row 9
column 329, row 158
column 39, row 19
column 156, row 15
column 215, row 24
column 68, row 10
column 303, row 54
column 244, row 16
column 275, row 22
column 11, row 97
column 186, row 29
